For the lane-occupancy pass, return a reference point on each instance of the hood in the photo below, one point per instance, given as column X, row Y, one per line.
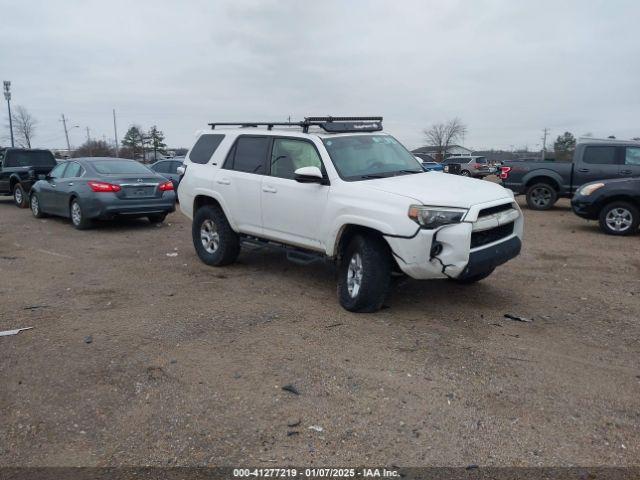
column 440, row 189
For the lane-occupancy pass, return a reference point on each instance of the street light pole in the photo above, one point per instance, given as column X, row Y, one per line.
column 7, row 96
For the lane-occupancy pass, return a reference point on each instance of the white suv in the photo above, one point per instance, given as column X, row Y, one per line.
column 339, row 188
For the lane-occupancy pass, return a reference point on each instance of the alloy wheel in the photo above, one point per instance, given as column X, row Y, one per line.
column 355, row 273
column 76, row 213
column 209, row 236
column 619, row 219
column 541, row 196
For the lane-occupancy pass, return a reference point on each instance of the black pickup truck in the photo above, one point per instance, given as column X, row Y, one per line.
column 543, row 182
column 19, row 169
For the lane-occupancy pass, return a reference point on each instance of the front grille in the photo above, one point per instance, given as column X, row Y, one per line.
column 485, row 237
column 498, row 208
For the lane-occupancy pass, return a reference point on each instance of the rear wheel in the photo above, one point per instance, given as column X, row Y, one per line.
column 619, row 218
column 541, row 196
column 77, row 216
column 157, row 217
column 19, row 196
column 364, row 274
column 35, row 206
column 213, row 238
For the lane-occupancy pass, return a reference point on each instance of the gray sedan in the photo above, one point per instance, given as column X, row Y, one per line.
column 84, row 189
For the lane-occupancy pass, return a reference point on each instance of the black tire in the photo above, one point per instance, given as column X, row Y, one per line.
column 34, row 203
column 20, row 198
column 619, row 218
column 227, row 249
column 157, row 217
column 465, row 173
column 474, row 278
column 375, row 274
column 78, row 219
column 541, row 196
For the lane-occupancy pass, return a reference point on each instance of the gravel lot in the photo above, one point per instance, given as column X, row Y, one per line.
column 186, row 362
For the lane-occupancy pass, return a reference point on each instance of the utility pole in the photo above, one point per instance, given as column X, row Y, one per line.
column 7, row 96
column 545, row 132
column 88, row 134
column 115, row 130
column 66, row 134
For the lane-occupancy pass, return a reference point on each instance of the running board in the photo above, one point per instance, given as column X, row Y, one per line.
column 294, row 254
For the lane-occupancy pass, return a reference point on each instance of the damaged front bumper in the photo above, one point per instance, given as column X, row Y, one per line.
column 463, row 249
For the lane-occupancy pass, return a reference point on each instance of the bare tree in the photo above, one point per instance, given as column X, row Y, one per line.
column 443, row 135
column 24, row 126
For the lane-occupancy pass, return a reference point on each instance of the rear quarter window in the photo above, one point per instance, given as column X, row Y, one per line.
column 205, row 147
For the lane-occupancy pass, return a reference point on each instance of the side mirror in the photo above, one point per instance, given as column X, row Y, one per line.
column 181, row 169
column 309, row 175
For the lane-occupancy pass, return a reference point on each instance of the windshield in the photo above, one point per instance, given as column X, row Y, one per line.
column 30, row 159
column 118, row 167
column 360, row 157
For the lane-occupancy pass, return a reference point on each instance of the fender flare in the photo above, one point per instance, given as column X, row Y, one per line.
column 544, row 172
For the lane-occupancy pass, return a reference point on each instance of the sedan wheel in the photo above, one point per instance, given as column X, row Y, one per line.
column 77, row 216
column 35, row 206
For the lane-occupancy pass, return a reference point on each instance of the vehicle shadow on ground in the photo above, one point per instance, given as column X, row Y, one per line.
column 404, row 293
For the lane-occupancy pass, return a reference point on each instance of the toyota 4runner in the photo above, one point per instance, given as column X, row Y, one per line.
column 339, row 188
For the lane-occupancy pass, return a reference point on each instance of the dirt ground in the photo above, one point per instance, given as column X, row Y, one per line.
column 185, row 363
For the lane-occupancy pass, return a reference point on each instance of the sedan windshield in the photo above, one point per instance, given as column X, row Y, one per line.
column 119, row 167
column 361, row 157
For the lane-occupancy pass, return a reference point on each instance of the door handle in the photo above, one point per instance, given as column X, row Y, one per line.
column 268, row 189
column 224, row 181
column 71, row 184
column 583, row 170
column 626, row 172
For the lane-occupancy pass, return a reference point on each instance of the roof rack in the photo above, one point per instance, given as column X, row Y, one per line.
column 328, row 124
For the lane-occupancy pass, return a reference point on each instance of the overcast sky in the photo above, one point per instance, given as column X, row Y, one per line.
column 506, row 68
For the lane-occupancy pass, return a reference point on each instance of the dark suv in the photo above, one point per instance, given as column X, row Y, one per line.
column 19, row 169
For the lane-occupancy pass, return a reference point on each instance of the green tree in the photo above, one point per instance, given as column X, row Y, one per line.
column 564, row 147
column 156, row 140
column 133, row 139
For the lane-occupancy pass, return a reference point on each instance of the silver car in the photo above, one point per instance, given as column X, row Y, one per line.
column 472, row 166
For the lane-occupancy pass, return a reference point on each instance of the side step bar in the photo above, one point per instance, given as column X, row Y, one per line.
column 294, row 254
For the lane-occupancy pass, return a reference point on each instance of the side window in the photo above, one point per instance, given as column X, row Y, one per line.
column 288, row 155
column 161, row 167
column 249, row 154
column 174, row 167
column 73, row 170
column 58, row 170
column 632, row 156
column 204, row 148
column 600, row 155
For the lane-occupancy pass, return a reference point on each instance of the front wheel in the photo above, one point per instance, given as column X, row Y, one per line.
column 465, row 173
column 78, row 218
column 541, row 196
column 19, row 196
column 619, row 218
column 364, row 274
column 35, row 206
column 213, row 238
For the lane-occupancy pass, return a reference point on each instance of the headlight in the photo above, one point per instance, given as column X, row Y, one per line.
column 434, row 217
column 589, row 189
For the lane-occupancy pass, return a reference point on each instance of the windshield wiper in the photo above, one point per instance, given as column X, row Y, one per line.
column 373, row 175
column 410, row 171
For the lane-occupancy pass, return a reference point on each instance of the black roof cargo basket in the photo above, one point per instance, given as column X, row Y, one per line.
column 328, row 124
